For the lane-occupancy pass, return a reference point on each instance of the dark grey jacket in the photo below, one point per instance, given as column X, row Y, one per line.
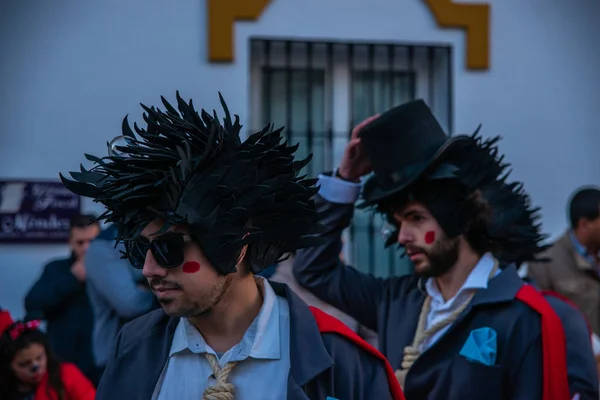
column 322, row 364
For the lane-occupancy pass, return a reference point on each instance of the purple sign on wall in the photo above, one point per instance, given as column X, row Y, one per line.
column 36, row 212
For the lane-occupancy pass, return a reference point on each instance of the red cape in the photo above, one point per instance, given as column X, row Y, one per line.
column 328, row 324
column 554, row 347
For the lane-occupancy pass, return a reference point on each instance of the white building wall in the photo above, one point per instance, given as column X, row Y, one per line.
column 70, row 71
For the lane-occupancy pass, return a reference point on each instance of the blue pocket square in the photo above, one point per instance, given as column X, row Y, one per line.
column 331, row 398
column 480, row 346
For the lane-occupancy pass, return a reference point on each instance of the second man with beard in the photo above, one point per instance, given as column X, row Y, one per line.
column 463, row 325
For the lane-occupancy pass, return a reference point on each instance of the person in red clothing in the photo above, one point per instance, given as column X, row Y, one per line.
column 30, row 371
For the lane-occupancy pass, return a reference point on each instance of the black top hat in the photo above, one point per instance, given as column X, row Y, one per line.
column 406, row 144
column 401, row 145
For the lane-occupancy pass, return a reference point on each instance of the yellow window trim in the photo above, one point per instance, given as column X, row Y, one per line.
column 473, row 18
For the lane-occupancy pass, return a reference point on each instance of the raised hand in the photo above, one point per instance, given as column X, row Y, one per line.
column 354, row 162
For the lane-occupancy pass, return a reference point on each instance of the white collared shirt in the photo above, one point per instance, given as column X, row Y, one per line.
column 441, row 309
column 263, row 357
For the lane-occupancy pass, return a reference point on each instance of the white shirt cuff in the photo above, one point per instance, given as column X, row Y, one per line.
column 595, row 344
column 339, row 191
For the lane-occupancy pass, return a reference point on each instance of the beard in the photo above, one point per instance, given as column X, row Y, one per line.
column 440, row 258
column 183, row 305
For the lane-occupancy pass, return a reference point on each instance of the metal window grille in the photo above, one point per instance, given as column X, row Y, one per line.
column 320, row 90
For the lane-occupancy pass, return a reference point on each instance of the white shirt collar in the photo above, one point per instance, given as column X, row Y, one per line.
column 477, row 279
column 261, row 340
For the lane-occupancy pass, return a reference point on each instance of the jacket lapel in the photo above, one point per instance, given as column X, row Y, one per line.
column 139, row 364
column 502, row 288
column 308, row 355
column 405, row 312
column 155, row 356
column 295, row 391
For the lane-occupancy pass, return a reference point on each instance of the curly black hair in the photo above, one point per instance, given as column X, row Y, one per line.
column 186, row 168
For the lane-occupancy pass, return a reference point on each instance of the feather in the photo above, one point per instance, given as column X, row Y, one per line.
column 186, row 167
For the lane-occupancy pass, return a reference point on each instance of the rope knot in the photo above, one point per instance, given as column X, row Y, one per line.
column 221, row 390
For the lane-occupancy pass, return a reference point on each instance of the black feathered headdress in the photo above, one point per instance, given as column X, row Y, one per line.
column 186, row 168
column 462, row 180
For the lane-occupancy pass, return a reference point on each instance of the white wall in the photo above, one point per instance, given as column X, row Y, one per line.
column 70, row 71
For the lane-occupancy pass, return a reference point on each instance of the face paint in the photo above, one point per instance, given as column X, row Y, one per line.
column 430, row 237
column 191, row 267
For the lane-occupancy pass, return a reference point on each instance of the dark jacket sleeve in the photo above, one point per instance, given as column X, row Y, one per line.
column 52, row 291
column 320, row 270
column 581, row 364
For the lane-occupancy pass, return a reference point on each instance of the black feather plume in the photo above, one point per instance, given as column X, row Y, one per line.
column 187, row 168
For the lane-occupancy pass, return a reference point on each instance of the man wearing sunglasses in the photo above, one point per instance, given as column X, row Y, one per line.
column 200, row 213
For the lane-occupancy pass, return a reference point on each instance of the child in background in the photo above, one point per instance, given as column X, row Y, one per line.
column 29, row 370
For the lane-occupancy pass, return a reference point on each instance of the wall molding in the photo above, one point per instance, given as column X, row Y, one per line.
column 475, row 20
column 222, row 15
column 472, row 17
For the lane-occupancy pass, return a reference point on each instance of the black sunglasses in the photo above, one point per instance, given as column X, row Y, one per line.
column 167, row 250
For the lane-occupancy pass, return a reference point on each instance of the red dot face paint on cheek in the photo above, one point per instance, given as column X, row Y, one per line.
column 191, row 267
column 429, row 237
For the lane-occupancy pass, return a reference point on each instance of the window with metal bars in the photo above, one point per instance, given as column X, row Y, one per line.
column 320, row 90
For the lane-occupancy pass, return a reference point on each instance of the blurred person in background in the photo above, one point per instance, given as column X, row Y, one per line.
column 30, row 371
column 59, row 297
column 117, row 292
column 573, row 267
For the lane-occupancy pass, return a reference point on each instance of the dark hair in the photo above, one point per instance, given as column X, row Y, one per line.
column 461, row 211
column 82, row 221
column 585, row 204
column 9, row 348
